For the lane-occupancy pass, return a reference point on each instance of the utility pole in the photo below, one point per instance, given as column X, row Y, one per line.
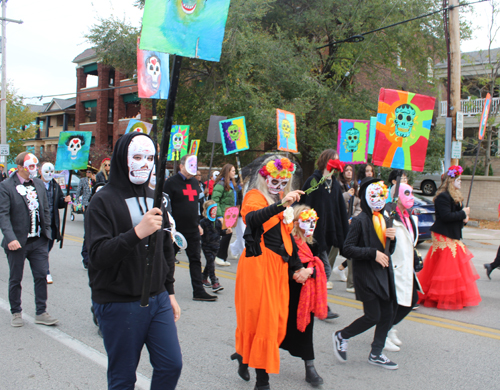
column 3, row 102
column 455, row 66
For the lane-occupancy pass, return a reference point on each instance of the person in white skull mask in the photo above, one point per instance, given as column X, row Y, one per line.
column 120, row 220
column 373, row 274
column 57, row 201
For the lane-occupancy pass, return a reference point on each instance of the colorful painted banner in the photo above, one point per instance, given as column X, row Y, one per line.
column 233, row 133
column 287, row 131
column 195, row 146
column 139, row 126
column 403, row 126
column 73, row 150
column 373, row 131
column 352, row 143
column 178, row 145
column 484, row 116
column 153, row 74
column 190, row 28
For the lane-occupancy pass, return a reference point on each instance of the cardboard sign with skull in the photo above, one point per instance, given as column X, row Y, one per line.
column 352, row 143
column 287, row 131
column 404, row 122
column 190, row 28
column 231, row 217
column 73, row 150
column 139, row 126
column 234, row 135
column 153, row 74
column 178, row 145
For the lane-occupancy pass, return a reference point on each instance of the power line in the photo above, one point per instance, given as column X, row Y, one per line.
column 76, row 93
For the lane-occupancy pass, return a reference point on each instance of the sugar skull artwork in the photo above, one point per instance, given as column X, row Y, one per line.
column 352, row 144
column 195, row 146
column 139, row 126
column 190, row 28
column 287, row 134
column 178, row 146
column 233, row 135
column 153, row 74
column 231, row 217
column 402, row 132
column 73, row 150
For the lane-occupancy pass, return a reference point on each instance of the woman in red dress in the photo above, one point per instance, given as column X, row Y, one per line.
column 448, row 278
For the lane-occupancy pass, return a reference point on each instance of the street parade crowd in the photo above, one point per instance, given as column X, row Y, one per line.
column 288, row 236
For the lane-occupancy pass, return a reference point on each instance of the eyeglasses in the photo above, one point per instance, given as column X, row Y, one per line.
column 107, row 165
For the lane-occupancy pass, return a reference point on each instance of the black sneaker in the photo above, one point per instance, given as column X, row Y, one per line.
column 382, row 361
column 217, row 287
column 331, row 315
column 340, row 347
column 206, row 283
column 205, row 297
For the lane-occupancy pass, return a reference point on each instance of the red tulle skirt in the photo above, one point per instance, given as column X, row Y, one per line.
column 448, row 278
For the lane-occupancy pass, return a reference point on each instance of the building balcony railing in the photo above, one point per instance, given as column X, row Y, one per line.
column 471, row 107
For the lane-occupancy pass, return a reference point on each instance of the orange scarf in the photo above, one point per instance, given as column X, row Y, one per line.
column 379, row 225
column 313, row 296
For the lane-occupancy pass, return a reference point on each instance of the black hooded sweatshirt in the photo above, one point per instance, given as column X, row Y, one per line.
column 117, row 255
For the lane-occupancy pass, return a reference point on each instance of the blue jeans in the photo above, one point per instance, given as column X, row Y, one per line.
column 126, row 327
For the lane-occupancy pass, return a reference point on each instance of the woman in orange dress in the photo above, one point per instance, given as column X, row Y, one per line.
column 448, row 278
column 262, row 292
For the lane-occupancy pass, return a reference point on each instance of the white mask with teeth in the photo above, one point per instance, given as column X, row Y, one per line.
column 140, row 159
column 275, row 186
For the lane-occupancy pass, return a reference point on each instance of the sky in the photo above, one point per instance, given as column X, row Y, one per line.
column 41, row 50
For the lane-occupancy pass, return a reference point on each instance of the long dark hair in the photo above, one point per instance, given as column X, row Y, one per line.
column 361, row 174
column 348, row 183
column 224, row 174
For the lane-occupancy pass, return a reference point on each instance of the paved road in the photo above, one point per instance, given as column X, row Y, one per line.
column 442, row 350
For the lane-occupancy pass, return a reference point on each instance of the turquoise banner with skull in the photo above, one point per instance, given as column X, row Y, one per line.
column 178, row 145
column 73, row 150
column 352, row 143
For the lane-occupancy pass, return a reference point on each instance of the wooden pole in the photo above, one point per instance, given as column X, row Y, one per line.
column 455, row 68
column 63, row 227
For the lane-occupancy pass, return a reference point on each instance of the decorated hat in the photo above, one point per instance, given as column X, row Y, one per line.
column 281, row 168
column 308, row 214
column 455, row 171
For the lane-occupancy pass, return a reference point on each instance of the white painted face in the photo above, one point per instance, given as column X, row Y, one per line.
column 274, row 186
column 74, row 146
column 47, row 171
column 140, row 159
column 375, row 197
column 30, row 161
column 307, row 226
column 458, row 182
column 192, row 165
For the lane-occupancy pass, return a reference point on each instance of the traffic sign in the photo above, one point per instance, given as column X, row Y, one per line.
column 4, row 149
column 460, row 126
column 456, row 149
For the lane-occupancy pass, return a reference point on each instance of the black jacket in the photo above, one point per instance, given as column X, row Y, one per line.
column 449, row 217
column 117, row 255
column 59, row 203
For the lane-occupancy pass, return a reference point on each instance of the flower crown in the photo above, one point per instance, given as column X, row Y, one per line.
column 455, row 170
column 278, row 169
column 335, row 164
column 385, row 190
column 308, row 214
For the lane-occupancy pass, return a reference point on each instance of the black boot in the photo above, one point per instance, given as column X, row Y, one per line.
column 489, row 270
column 312, row 376
column 262, row 380
column 331, row 315
column 242, row 368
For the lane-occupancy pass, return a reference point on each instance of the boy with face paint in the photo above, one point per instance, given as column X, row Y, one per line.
column 373, row 275
column 120, row 220
column 210, row 242
column 56, row 201
column 25, row 223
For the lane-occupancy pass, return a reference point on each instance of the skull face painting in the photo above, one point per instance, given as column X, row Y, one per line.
column 140, row 159
column 212, row 212
column 351, row 140
column 47, row 171
column 234, row 132
column 275, row 186
column 30, row 162
column 406, row 196
column 74, row 146
column 191, row 165
column 190, row 7
column 231, row 216
column 153, row 68
column 376, row 194
column 286, row 127
column 307, row 222
column 177, row 141
column 405, row 116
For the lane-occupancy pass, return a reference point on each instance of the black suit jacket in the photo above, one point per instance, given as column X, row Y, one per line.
column 15, row 215
column 449, row 217
column 59, row 203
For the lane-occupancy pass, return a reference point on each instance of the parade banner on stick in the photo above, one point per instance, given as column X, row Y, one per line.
column 373, row 132
column 404, row 121
column 484, row 116
column 352, row 143
column 153, row 72
column 287, row 131
column 233, row 135
column 73, row 150
column 189, row 28
column 195, row 146
column 178, row 145
column 139, row 126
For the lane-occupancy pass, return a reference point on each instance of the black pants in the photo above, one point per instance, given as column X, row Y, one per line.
column 403, row 311
column 193, row 252
column 38, row 256
column 496, row 263
column 224, row 244
column 209, row 271
column 378, row 313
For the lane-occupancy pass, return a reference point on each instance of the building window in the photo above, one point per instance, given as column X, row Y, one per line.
column 111, row 104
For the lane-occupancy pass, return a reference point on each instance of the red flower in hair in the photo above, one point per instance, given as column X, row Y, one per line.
column 335, row 164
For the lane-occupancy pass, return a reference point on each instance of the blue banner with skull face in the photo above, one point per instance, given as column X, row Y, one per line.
column 73, row 150
column 233, row 134
column 352, row 144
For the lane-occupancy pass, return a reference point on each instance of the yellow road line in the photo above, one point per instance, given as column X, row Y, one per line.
column 73, row 238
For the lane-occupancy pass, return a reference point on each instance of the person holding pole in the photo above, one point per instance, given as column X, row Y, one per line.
column 120, row 220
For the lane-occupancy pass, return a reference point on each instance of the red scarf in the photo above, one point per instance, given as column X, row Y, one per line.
column 313, row 294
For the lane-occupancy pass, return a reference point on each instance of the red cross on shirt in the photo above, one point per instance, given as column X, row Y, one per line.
column 190, row 192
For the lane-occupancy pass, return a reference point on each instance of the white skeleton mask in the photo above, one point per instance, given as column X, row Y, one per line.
column 308, row 226
column 47, row 171
column 140, row 159
column 30, row 162
column 375, row 196
column 191, row 165
column 74, row 146
column 275, row 186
